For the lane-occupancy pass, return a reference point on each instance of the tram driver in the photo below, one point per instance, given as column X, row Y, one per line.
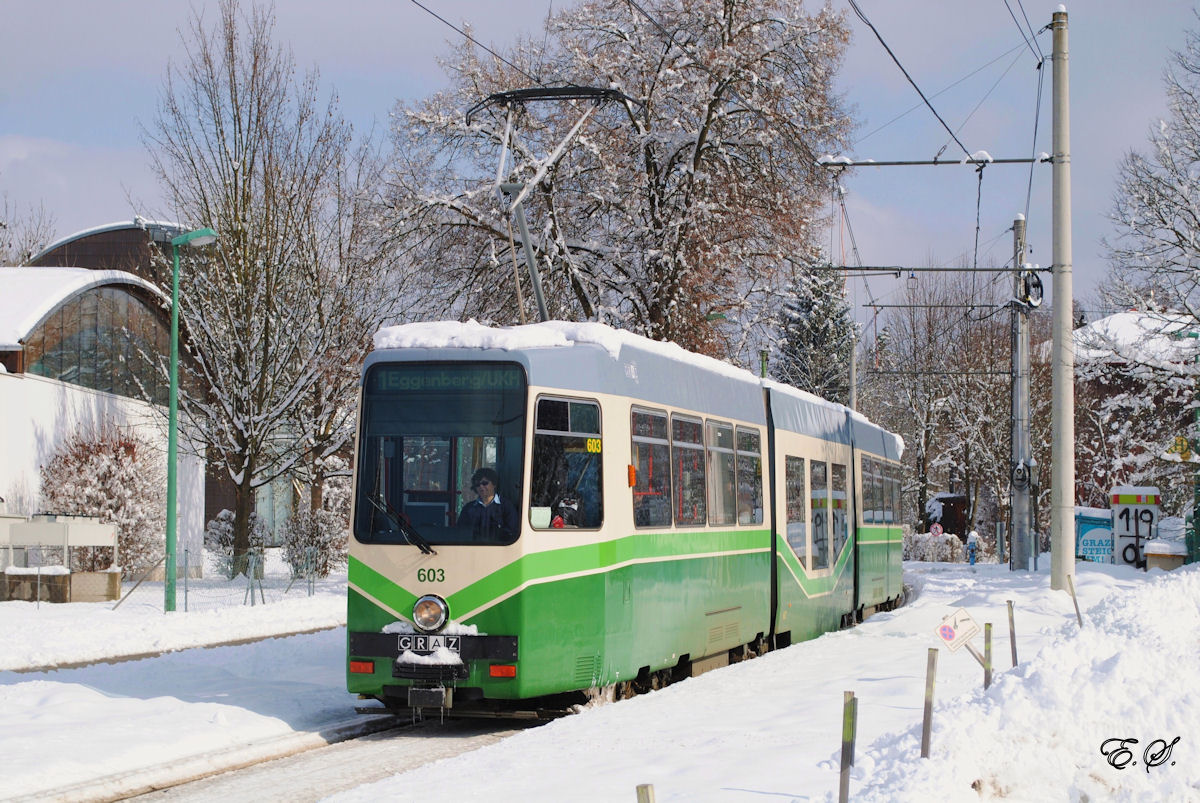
column 488, row 514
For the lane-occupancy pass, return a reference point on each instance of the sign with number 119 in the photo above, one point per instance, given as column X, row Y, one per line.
column 1134, row 521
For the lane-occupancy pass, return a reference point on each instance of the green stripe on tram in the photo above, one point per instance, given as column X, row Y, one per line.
column 543, row 567
column 379, row 586
column 548, row 566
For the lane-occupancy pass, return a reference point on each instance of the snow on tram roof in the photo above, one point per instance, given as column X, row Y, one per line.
column 548, row 334
column 564, row 334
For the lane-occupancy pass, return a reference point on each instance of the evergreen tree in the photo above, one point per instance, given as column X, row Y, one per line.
column 817, row 336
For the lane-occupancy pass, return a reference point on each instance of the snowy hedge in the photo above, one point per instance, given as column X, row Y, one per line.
column 945, row 548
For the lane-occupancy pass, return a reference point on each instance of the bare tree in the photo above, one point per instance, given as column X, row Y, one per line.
column 23, row 231
column 940, row 379
column 696, row 196
column 243, row 145
column 355, row 295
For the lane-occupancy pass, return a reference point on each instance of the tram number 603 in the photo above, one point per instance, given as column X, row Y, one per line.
column 431, row 575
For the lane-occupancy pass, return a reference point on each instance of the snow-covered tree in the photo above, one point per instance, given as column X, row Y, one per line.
column 121, row 478
column 278, row 313
column 697, row 194
column 1155, row 254
column 1143, row 398
column 817, row 336
column 1135, row 394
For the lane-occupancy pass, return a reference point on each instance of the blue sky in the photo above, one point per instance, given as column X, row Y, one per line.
column 77, row 78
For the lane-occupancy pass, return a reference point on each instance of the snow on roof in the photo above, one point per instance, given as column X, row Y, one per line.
column 1141, row 337
column 27, row 295
column 137, row 223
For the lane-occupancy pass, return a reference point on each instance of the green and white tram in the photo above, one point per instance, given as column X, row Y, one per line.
column 666, row 513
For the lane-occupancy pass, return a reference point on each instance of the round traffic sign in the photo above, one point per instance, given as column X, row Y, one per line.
column 935, row 529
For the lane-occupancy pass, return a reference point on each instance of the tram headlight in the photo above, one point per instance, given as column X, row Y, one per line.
column 430, row 612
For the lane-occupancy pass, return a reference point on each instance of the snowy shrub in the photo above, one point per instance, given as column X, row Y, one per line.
column 119, row 477
column 945, row 548
column 218, row 540
column 337, row 489
column 315, row 541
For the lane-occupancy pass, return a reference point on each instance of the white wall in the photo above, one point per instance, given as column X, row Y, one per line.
column 37, row 414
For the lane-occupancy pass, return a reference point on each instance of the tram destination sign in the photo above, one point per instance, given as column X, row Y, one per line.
column 417, row 378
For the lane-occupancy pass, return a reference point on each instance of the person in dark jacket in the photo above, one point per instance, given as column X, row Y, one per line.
column 488, row 515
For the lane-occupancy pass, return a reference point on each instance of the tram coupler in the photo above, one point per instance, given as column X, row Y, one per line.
column 435, row 697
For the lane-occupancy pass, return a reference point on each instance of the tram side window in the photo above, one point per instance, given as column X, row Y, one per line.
column 797, row 507
column 882, row 492
column 749, row 477
column 567, row 447
column 868, row 490
column 841, row 507
column 687, row 465
column 885, row 504
column 819, row 477
column 722, row 504
column 652, row 467
column 895, row 500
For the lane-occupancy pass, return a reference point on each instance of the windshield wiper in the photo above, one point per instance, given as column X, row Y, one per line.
column 402, row 525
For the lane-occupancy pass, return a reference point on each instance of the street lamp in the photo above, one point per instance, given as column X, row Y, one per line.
column 195, row 239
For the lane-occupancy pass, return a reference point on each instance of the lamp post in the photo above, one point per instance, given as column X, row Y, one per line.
column 195, row 239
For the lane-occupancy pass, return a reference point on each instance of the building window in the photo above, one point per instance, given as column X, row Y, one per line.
column 104, row 339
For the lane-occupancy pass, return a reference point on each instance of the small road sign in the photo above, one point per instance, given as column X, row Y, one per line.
column 957, row 629
column 935, row 529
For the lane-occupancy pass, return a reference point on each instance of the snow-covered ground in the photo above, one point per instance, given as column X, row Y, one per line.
column 767, row 729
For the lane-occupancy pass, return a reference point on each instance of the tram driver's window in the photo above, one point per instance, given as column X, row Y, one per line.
column 566, row 491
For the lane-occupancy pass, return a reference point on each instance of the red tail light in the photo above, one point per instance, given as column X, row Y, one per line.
column 362, row 667
column 502, row 670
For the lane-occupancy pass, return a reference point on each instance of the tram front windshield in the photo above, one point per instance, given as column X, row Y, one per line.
column 427, row 429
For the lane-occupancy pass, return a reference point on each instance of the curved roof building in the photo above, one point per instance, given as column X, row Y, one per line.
column 100, row 329
column 139, row 246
